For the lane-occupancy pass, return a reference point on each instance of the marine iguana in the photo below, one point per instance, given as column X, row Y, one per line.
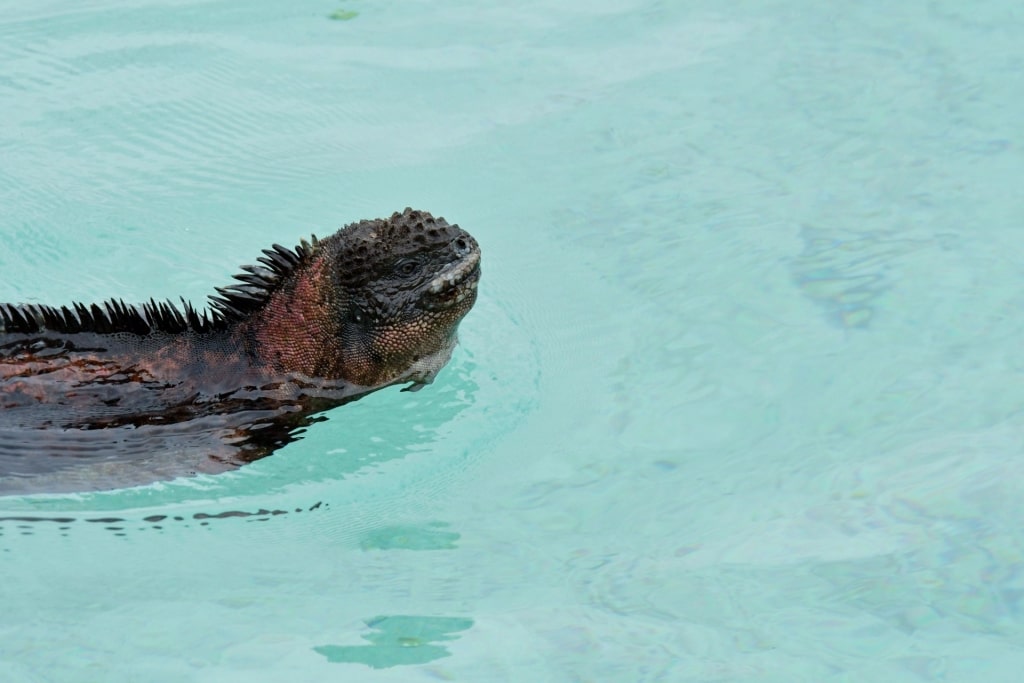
column 113, row 395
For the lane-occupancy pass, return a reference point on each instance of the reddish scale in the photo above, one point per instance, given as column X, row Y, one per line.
column 298, row 330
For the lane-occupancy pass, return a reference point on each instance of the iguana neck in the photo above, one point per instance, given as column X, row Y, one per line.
column 298, row 330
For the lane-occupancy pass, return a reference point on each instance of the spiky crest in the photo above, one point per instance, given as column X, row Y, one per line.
column 231, row 304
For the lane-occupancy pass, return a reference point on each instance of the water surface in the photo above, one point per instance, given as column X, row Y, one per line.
column 740, row 400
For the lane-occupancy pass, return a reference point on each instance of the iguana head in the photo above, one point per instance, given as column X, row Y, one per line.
column 378, row 302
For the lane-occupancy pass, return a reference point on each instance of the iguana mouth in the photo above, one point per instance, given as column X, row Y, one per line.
column 455, row 283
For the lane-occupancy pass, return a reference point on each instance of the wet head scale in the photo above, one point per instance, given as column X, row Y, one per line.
column 385, row 295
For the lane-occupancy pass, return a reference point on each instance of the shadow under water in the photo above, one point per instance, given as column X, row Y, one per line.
column 399, row 641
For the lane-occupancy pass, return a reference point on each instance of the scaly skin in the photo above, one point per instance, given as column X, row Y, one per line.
column 113, row 396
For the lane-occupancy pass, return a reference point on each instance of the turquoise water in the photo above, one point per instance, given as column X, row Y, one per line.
column 741, row 399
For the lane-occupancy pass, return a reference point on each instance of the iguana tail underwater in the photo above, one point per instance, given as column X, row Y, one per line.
column 112, row 395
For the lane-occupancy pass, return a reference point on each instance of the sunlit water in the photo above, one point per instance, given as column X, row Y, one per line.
column 741, row 399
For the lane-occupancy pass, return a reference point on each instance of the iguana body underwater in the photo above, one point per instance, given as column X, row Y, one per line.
column 111, row 395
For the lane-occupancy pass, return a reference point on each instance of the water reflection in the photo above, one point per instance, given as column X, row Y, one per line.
column 399, row 641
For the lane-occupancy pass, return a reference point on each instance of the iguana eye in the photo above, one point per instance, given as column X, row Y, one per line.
column 408, row 267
